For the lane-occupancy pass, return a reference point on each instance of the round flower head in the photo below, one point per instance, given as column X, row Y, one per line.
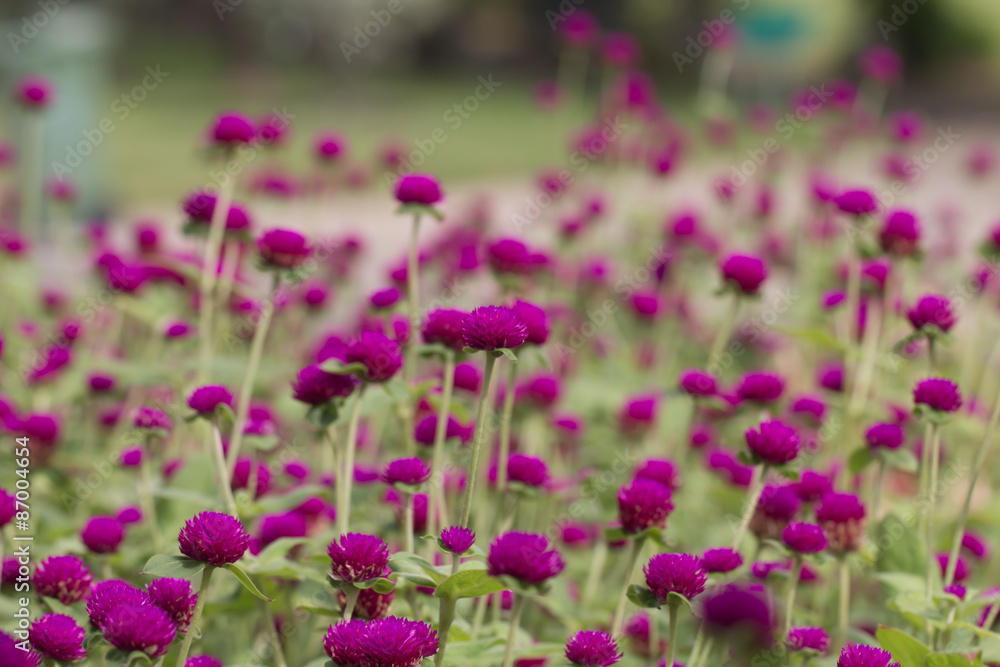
column 643, row 504
column 887, row 435
column 812, row 486
column 773, row 442
column 509, row 256
column 283, row 524
column 592, row 648
column 101, row 383
column 961, row 567
column 12, row 654
column 493, row 327
column 65, row 578
column 527, row 470
column 698, row 383
column 418, row 189
column 932, row 309
column 663, row 471
column 314, row 386
column 675, row 573
column 938, row 394
column 204, row 400
column 384, row 298
column 379, row 354
column 411, row 471
column 152, row 419
column 231, row 128
column 34, row 92
column 638, row 414
column 139, row 628
column 804, row 538
column 958, row 590
column 58, row 638
column 214, row 538
column 808, row 639
column 106, row 595
column 761, row 387
column 390, row 641
column 813, row 408
column 426, row 429
column 881, row 63
column 457, row 540
column 975, row 545
column 537, row 322
column 283, row 249
column 8, row 507
column 842, row 516
column 721, row 560
column 203, row 661
column 358, row 557
column 174, row 596
column 200, row 207
column 858, row 655
column 745, row 273
column 900, row 234
column 102, row 534
column 856, row 202
column 739, row 612
column 444, row 327
column 523, row 556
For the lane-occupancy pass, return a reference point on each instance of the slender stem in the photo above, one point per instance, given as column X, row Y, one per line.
column 230, row 264
column 699, row 641
column 196, row 616
column 408, row 523
column 209, row 275
column 508, row 413
column 845, row 600
column 725, row 331
column 925, row 460
column 352, row 599
column 705, row 652
column 931, row 500
column 793, row 583
column 435, row 492
column 594, row 574
column 515, row 622
column 218, row 458
column 672, row 641
column 477, row 622
column 346, row 479
column 272, row 633
column 654, row 637
column 633, row 558
column 445, row 617
column 246, row 391
column 148, row 500
column 752, row 499
column 877, row 492
column 413, row 305
column 477, row 440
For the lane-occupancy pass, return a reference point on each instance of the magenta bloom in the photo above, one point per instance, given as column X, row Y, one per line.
column 663, row 471
column 856, row 202
column 330, row 146
column 214, row 538
column 675, row 573
column 761, row 387
column 745, row 272
column 283, row 249
column 152, row 419
column 804, row 538
column 525, row 557
column 58, row 638
column 457, row 540
column 698, row 383
column 139, row 628
column 379, row 353
column 204, row 400
column 932, row 309
column 33, row 91
column 65, row 578
column 203, row 661
column 593, row 649
column 444, row 326
column 858, row 655
column 887, row 435
column 102, row 534
column 580, row 28
column 812, row 486
column 11, row 654
column 534, row 318
column 200, row 207
column 390, row 641
column 175, row 597
column 8, row 507
column 808, row 639
column 638, row 413
column 938, row 394
column 314, row 386
column 961, row 567
column 106, row 595
column 773, row 442
column 283, row 524
column 975, row 545
column 231, row 128
column 527, row 470
column 509, row 256
column 385, row 298
column 493, row 327
column 721, row 560
column 900, row 234
column 842, row 516
column 426, row 428
column 643, row 504
column 882, row 64
column 358, row 557
column 418, row 189
column 411, row 471
column 740, row 610
column 101, row 383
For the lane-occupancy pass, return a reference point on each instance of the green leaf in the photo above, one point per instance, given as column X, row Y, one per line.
column 178, row 567
column 244, row 579
column 642, row 597
column 509, row 353
column 819, row 337
column 225, row 412
column 788, row 472
column 432, row 350
column 321, row 416
column 322, row 611
column 468, row 584
column 380, row 584
column 260, row 443
column 903, row 582
column 414, row 568
column 947, row 660
column 746, row 458
column 338, row 367
column 92, row 639
column 280, row 548
column 900, row 459
column 859, row 460
column 677, row 600
column 900, row 549
column 615, row 534
column 119, row 657
column 905, row 649
column 470, row 350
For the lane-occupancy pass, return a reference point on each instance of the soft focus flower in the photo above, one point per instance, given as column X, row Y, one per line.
column 932, row 309
column 426, row 429
column 283, row 248
column 859, row 655
column 139, row 628
column 527, row 470
column 937, row 394
column 887, row 435
column 314, row 386
column 961, row 567
column 384, row 298
column 721, row 560
column 697, row 383
column 102, row 534
column 842, row 516
column 106, row 595
column 804, row 538
column 390, row 641
column 523, row 556
column 592, row 648
column 739, row 612
column 58, row 638
column 175, row 597
column 411, row 471
column 151, row 419
column 33, row 91
column 975, row 545
column 417, row 189
column 65, row 578
column 204, row 400
column 675, row 573
column 856, row 202
column 643, row 504
column 881, row 63
column 900, row 233
column 663, row 471
column 231, row 128
column 457, row 540
column 773, row 442
column 812, row 486
column 745, row 272
column 761, row 387
column 444, row 327
column 493, row 327
column 358, row 557
column 203, row 661
column 535, row 320
column 379, row 354
column 214, row 538
column 808, row 639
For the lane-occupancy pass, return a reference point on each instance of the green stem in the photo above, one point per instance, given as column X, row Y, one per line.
column 445, row 617
column 515, row 622
column 196, row 616
column 272, row 633
column 440, row 434
column 222, row 471
column 633, row 559
column 148, row 500
column 793, row 583
column 408, row 523
column 725, row 331
column 345, row 481
column 508, row 413
column 477, row 440
column 413, row 305
column 752, row 499
column 845, row 601
column 352, row 599
column 699, row 640
column 672, row 641
column 705, row 652
column 597, row 561
column 877, row 492
column 931, row 501
column 209, row 275
column 654, row 637
column 477, row 622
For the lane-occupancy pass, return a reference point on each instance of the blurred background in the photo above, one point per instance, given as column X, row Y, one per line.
column 157, row 71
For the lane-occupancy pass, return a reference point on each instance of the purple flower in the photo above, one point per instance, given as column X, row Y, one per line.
column 961, row 567
column 33, row 91
column 329, row 146
column 812, row 486
column 58, row 638
column 541, row 391
column 932, row 309
column 493, row 327
column 675, row 573
column 592, row 648
column 721, row 560
column 523, row 556
column 425, row 430
column 527, row 470
column 975, row 545
column 174, row 596
column 534, row 318
column 103, row 534
column 444, row 327
column 698, row 383
column 11, row 654
column 808, row 639
column 384, row 298
column 418, row 189
column 900, row 234
column 358, row 557
column 106, row 595
column 468, row 377
column 938, row 394
column 814, row 408
column 314, row 386
column 101, row 383
column 214, row 538
column 858, row 655
column 203, row 661
column 958, row 590
column 411, row 471
column 882, row 64
column 231, row 128
column 638, row 414
column 887, row 435
column 842, row 516
column 663, row 471
column 773, row 442
column 152, row 419
column 390, row 641
column 831, row 377
column 283, row 248
column 284, row 524
column 804, row 538
column 457, row 540
column 241, row 476
column 643, row 504
column 204, row 400
column 739, row 610
column 744, row 272
column 200, row 207
column 139, row 628
column 856, row 202
column 379, row 354
column 65, row 578
column 8, row 507
column 509, row 256
column 761, row 387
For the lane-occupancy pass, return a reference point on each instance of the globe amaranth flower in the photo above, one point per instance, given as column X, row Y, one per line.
column 745, row 273
column 202, row 661
column 283, row 248
column 411, row 471
column 804, row 538
column 938, row 394
column 102, row 534
column 961, row 567
column 314, row 386
column 493, row 327
column 444, row 327
column 643, row 504
column 534, row 318
column 106, row 595
column 859, row 655
column 283, row 524
column 145, row 628
column 885, row 435
column 384, row 299
column 379, row 354
column 761, row 387
column 11, row 654
column 856, row 202
column 418, row 189
column 230, row 128
column 593, row 649
column 152, row 419
column 358, row 557
column 426, row 429
column 739, row 612
column 8, row 507
column 390, row 641
column 175, row 597
column 527, row 470
column 638, row 414
column 65, row 578
column 33, row 91
column 698, row 383
column 101, row 383
column 958, row 590
column 975, row 545
column 214, row 538
column 808, row 639
column 370, row 603
column 329, row 146
column 58, row 638
column 509, row 256
column 580, row 29
column 675, row 573
column 932, row 309
column 200, row 208
column 542, row 390
column 721, row 560
column 842, row 516
column 457, row 540
column 812, row 486
column 663, row 471
column 774, row 442
column 525, row 557
column 204, row 400
column 777, row 507
column 881, row 63
column 900, row 234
